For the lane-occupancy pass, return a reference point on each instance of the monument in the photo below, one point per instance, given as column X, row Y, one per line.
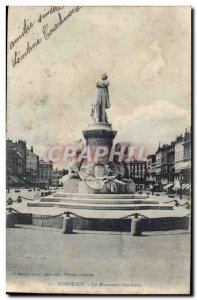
column 100, row 178
column 97, row 169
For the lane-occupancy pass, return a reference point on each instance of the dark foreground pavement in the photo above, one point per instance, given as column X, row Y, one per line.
column 43, row 259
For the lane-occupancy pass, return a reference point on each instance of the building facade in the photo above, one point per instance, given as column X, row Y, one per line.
column 16, row 162
column 179, row 154
column 138, row 173
column 56, row 176
column 45, row 173
column 187, row 156
column 171, row 162
column 32, row 168
column 172, row 165
column 150, row 171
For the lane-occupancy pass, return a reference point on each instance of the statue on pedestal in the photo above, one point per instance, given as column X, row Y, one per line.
column 102, row 102
column 92, row 174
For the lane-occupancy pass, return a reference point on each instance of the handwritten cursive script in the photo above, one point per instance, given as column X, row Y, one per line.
column 18, row 57
column 46, row 31
column 26, row 28
column 49, row 12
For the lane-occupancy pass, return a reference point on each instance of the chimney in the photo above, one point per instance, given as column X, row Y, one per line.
column 32, row 149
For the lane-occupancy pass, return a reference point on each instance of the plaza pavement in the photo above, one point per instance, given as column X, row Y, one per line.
column 46, row 260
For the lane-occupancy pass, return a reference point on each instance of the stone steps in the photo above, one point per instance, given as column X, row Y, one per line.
column 108, row 206
column 100, row 196
column 55, row 199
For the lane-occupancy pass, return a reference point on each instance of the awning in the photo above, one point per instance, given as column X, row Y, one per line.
column 187, row 187
column 14, row 179
column 175, row 188
column 150, row 186
column 40, row 181
column 156, row 184
column 164, row 182
column 168, row 185
column 184, row 185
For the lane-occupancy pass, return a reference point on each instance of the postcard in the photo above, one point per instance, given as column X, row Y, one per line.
column 98, row 142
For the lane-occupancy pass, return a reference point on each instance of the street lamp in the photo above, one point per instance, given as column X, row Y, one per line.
column 180, row 180
column 8, row 183
column 8, row 179
column 34, row 180
column 24, row 179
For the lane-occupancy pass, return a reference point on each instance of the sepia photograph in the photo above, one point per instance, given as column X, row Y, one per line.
column 99, row 150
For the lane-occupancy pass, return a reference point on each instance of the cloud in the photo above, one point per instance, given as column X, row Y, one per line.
column 158, row 110
column 155, row 47
column 152, row 68
column 149, row 124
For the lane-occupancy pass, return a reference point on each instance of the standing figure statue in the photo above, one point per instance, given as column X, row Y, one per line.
column 102, row 102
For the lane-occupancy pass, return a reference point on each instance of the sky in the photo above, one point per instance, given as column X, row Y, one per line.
column 144, row 50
